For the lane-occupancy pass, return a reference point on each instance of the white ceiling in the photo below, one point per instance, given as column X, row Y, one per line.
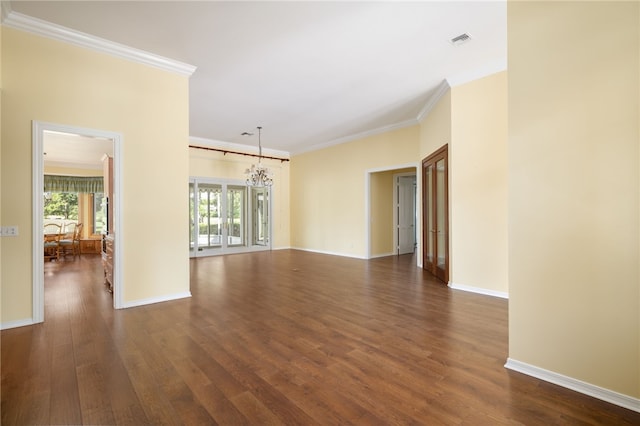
column 75, row 151
column 310, row 73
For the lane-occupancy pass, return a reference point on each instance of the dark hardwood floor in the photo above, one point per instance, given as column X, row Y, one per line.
column 283, row 337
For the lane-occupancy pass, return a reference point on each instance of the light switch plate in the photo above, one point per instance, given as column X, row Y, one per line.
column 9, row 231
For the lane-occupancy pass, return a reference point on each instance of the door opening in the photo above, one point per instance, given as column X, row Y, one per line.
column 78, row 151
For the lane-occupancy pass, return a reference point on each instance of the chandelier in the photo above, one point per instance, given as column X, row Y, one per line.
column 258, row 174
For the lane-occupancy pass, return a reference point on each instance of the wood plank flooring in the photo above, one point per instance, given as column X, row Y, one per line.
column 278, row 338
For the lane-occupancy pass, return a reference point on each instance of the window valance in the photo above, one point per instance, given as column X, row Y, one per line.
column 91, row 184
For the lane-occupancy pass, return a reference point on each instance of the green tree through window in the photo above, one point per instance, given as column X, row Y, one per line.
column 63, row 205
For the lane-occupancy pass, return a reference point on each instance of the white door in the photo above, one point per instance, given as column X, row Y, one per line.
column 220, row 222
column 406, row 214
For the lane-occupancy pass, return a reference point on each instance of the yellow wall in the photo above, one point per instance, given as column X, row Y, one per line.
column 478, row 184
column 212, row 164
column 328, row 190
column 50, row 81
column 574, row 190
column 435, row 128
column 381, row 227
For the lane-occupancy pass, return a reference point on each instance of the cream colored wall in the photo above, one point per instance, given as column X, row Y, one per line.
column 50, row 81
column 435, row 128
column 478, row 184
column 212, row 164
column 574, row 185
column 381, row 226
column 328, row 190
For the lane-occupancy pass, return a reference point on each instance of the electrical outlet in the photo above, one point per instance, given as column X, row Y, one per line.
column 9, row 231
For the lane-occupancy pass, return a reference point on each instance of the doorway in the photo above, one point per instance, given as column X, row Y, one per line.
column 79, row 141
column 435, row 214
column 381, row 211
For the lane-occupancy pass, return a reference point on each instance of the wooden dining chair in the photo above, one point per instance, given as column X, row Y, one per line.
column 67, row 240
column 76, row 240
column 52, row 236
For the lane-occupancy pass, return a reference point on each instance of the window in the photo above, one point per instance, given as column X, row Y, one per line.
column 61, row 205
column 99, row 213
column 227, row 217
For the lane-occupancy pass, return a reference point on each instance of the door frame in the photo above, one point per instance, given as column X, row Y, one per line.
column 441, row 153
column 37, row 136
column 367, row 206
column 223, row 250
column 396, row 218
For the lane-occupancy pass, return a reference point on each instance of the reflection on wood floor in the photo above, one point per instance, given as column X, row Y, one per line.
column 284, row 337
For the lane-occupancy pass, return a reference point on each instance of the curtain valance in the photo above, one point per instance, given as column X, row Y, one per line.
column 91, row 184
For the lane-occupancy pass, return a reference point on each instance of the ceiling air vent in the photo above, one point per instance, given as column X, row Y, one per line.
column 461, row 39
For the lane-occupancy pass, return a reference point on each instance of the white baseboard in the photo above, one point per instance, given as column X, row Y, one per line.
column 479, row 290
column 375, row 256
column 152, row 300
column 331, row 253
column 607, row 395
column 16, row 324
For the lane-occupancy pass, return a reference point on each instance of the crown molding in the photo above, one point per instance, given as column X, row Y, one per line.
column 487, row 69
column 5, row 9
column 230, row 146
column 42, row 28
column 459, row 79
column 362, row 135
column 441, row 90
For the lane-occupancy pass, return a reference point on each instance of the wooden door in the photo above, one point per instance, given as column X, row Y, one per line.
column 435, row 214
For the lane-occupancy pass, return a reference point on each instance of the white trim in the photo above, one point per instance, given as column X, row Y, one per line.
column 38, row 129
column 43, row 28
column 486, row 70
column 603, row 394
column 16, row 324
column 367, row 213
column 376, row 256
column 152, row 300
column 362, row 135
column 330, row 253
column 479, row 290
column 249, row 149
column 37, row 189
column 5, row 9
column 433, row 100
column 118, row 219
